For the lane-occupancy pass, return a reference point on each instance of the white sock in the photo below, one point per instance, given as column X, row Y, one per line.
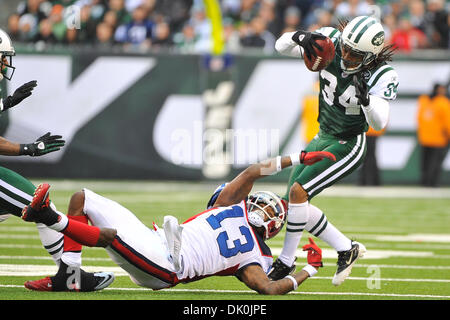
column 62, row 223
column 297, row 218
column 53, row 241
column 72, row 259
column 319, row 226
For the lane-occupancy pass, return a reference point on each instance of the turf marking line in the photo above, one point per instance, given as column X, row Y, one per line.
column 250, row 291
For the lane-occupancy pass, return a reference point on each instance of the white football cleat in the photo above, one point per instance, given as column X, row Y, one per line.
column 4, row 217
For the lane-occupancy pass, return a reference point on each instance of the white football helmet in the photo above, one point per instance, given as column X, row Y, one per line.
column 361, row 41
column 7, row 52
column 257, row 208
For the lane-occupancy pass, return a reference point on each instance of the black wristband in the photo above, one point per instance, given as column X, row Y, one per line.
column 24, row 150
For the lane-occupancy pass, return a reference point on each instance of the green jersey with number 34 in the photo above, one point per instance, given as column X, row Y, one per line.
column 339, row 112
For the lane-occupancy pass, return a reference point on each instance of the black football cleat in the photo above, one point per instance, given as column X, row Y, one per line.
column 279, row 270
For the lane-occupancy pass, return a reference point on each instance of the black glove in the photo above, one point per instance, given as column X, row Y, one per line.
column 21, row 93
column 307, row 40
column 43, row 145
column 362, row 90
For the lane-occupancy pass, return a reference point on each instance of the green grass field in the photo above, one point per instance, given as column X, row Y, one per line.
column 406, row 232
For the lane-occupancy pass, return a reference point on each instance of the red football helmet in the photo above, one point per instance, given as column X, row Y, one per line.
column 258, row 207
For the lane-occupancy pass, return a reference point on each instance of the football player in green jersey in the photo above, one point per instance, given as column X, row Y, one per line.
column 355, row 90
column 15, row 190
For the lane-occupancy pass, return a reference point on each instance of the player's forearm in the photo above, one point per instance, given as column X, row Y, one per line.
column 8, row 148
column 377, row 113
column 268, row 167
column 286, row 285
column 286, row 46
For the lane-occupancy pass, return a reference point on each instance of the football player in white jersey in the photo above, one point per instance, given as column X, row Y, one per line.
column 227, row 239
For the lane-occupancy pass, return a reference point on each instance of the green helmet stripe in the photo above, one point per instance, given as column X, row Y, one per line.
column 356, row 26
column 364, row 30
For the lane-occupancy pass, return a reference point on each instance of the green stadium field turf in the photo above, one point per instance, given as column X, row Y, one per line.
column 405, row 230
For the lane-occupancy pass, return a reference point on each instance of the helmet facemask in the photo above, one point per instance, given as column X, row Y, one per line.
column 266, row 210
column 353, row 60
column 6, row 67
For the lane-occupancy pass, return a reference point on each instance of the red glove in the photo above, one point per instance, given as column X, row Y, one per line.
column 309, row 158
column 314, row 254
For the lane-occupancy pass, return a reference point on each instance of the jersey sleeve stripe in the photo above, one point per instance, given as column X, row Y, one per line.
column 333, row 33
column 379, row 75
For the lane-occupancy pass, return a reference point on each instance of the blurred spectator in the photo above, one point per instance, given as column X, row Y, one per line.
column 417, row 14
column 59, row 24
column 202, row 29
column 257, row 36
column 87, row 30
column 123, row 17
column 161, row 36
column 292, row 19
column 28, row 25
column 433, row 132
column 104, row 36
column 267, row 13
column 45, row 34
column 438, row 21
column 186, row 40
column 136, row 34
column 32, row 7
column 389, row 23
column 407, row 37
column 231, row 35
column 411, row 24
column 14, row 27
column 175, row 12
column 352, row 8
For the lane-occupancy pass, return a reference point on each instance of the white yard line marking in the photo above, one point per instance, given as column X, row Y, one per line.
column 250, row 291
column 357, row 265
column 390, row 266
column 370, row 254
column 40, row 270
column 49, row 258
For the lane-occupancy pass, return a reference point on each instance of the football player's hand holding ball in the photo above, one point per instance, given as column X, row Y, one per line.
column 307, row 40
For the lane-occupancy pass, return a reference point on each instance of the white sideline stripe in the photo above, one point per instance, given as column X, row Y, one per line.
column 173, row 186
column 326, row 253
column 358, row 265
column 40, row 270
column 49, row 258
column 388, row 266
column 250, row 291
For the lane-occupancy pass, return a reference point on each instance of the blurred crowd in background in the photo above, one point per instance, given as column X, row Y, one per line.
column 182, row 25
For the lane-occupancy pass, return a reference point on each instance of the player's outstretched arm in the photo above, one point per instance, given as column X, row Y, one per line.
column 23, row 92
column 255, row 277
column 43, row 145
column 239, row 188
column 8, row 148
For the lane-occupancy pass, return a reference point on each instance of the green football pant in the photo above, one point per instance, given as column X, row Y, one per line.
column 15, row 192
column 315, row 178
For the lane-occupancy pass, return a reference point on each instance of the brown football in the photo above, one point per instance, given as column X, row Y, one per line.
column 323, row 58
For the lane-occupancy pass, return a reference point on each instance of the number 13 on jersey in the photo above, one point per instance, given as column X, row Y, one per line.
column 223, row 237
